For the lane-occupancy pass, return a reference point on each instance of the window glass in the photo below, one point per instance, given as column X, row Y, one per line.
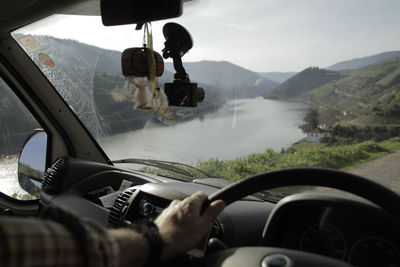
column 16, row 125
column 277, row 96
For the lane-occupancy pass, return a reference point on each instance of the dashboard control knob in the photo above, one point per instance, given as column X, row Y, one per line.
column 148, row 208
column 276, row 260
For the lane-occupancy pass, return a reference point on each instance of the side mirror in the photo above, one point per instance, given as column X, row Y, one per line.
column 32, row 163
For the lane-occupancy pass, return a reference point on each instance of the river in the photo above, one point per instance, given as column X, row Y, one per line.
column 241, row 127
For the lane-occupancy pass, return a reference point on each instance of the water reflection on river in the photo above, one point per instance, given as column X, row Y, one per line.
column 241, row 127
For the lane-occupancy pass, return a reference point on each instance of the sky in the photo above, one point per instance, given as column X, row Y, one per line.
column 259, row 35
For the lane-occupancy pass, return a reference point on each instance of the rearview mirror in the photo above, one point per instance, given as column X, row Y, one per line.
column 32, row 163
column 120, row 12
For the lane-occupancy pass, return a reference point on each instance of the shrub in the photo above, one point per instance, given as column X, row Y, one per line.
column 300, row 155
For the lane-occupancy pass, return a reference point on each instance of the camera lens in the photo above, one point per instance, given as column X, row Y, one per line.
column 200, row 94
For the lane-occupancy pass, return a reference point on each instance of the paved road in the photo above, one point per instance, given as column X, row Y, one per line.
column 384, row 170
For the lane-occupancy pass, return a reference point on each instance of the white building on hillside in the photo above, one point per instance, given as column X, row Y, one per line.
column 316, row 135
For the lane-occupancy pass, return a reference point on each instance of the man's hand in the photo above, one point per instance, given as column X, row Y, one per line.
column 181, row 225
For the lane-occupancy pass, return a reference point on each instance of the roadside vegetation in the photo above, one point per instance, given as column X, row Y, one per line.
column 346, row 146
column 303, row 154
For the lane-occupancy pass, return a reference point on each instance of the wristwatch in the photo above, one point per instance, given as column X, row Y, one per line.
column 156, row 244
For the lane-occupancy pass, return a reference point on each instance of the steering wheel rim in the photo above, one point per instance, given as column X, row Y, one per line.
column 256, row 256
column 368, row 189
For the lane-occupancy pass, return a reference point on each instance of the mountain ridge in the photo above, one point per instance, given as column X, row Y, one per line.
column 369, row 95
column 228, row 76
column 87, row 74
column 90, row 75
column 361, row 62
column 277, row 76
column 302, row 82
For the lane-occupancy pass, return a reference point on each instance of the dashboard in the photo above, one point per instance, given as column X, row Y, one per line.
column 82, row 186
column 351, row 230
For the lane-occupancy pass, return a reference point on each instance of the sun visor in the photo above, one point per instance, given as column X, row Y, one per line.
column 87, row 8
column 18, row 13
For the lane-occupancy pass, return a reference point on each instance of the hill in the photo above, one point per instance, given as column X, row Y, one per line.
column 365, row 61
column 86, row 76
column 234, row 80
column 368, row 95
column 303, row 82
column 278, row 77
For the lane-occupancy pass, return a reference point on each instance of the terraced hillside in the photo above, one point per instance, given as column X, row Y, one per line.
column 370, row 94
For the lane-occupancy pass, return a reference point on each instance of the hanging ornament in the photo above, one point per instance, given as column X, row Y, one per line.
column 138, row 63
column 141, row 96
column 159, row 101
column 160, row 104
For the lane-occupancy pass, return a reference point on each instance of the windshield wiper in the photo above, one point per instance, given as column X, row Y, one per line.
column 175, row 167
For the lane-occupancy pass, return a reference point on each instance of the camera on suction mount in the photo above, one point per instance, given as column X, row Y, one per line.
column 181, row 92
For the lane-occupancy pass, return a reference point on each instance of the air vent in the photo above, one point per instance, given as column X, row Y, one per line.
column 118, row 210
column 51, row 176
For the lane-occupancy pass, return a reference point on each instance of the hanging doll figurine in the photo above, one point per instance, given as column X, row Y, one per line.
column 160, row 104
column 141, row 96
column 138, row 63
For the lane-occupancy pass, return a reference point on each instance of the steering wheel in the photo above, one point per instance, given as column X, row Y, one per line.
column 388, row 200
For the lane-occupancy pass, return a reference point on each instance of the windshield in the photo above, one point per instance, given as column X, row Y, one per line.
column 287, row 84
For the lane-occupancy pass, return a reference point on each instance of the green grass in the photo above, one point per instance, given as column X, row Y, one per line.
column 391, row 145
column 303, row 154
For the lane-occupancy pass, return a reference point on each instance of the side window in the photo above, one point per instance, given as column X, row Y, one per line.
column 16, row 125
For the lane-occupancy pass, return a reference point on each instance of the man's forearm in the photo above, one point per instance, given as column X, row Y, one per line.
column 61, row 238
column 35, row 242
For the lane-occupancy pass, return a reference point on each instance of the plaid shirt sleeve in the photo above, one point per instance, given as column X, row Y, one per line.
column 65, row 242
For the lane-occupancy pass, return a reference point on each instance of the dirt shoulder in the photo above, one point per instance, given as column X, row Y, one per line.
column 384, row 170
